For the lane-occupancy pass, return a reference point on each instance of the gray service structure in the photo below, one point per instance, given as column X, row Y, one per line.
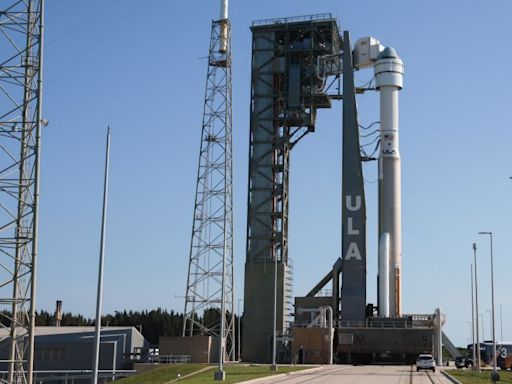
column 285, row 94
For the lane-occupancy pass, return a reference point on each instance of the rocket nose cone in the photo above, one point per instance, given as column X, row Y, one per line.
column 388, row 53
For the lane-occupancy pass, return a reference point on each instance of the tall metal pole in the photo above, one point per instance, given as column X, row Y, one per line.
column 476, row 311
column 238, row 337
column 489, row 311
column 481, row 316
column 37, row 166
column 274, row 332
column 220, row 374
column 473, row 317
column 495, row 358
column 492, row 304
column 99, row 298
column 501, row 324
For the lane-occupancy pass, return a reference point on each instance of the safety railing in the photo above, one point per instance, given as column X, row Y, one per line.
column 74, row 376
column 170, row 359
column 294, row 19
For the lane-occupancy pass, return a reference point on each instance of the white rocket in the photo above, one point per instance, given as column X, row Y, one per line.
column 389, row 81
column 388, row 69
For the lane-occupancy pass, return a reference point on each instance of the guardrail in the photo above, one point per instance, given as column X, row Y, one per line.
column 170, row 359
column 375, row 323
column 294, row 19
column 70, row 376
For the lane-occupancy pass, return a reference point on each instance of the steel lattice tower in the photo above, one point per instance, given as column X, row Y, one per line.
column 21, row 47
column 286, row 92
column 211, row 250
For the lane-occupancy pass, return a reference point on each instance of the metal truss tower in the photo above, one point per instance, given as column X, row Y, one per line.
column 210, row 290
column 286, row 90
column 21, row 50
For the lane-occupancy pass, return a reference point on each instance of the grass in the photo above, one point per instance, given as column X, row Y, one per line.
column 163, row 374
column 470, row 377
column 234, row 374
column 237, row 374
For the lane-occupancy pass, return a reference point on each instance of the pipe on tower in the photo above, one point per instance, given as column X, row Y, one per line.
column 223, row 44
column 224, row 9
column 389, row 81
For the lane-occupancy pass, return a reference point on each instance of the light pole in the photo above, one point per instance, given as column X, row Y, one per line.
column 473, row 318
column 99, row 298
column 501, row 324
column 274, row 333
column 489, row 311
column 481, row 316
column 494, row 357
column 476, row 312
column 239, row 359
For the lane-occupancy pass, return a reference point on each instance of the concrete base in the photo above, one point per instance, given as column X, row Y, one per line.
column 219, row 376
column 383, row 345
column 273, row 368
column 311, row 346
column 259, row 310
column 202, row 349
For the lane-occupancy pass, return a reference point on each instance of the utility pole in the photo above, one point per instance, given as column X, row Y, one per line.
column 501, row 324
column 99, row 298
column 478, row 366
column 494, row 376
column 473, row 317
column 238, row 336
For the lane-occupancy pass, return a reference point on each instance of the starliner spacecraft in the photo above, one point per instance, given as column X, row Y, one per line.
column 388, row 69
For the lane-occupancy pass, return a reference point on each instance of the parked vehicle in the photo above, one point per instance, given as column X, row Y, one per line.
column 425, row 361
column 460, row 362
column 463, row 362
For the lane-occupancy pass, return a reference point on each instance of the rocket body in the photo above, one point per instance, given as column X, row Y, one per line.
column 384, row 275
column 389, row 81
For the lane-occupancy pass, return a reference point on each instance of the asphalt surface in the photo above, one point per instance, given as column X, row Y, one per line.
column 370, row 374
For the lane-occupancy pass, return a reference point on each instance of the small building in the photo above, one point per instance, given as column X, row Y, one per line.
column 71, row 349
column 201, row 349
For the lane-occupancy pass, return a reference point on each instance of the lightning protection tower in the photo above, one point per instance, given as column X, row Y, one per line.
column 209, row 292
column 21, row 51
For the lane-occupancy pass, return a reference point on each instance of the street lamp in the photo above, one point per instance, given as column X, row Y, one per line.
column 489, row 311
column 494, row 375
column 482, row 321
column 239, row 359
column 473, row 318
column 274, row 333
column 501, row 324
column 471, row 335
column 476, row 312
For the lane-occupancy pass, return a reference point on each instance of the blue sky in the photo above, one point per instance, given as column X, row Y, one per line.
column 139, row 67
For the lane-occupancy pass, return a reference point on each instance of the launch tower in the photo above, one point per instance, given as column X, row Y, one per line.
column 209, row 292
column 286, row 92
column 21, row 42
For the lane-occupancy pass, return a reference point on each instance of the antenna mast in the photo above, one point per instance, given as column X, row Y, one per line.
column 209, row 294
column 21, row 39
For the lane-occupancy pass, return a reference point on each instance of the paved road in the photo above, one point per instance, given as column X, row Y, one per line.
column 347, row 374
